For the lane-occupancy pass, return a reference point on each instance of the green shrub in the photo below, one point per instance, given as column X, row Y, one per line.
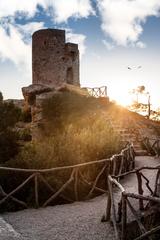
column 8, row 145
column 67, row 107
column 9, row 115
column 25, row 134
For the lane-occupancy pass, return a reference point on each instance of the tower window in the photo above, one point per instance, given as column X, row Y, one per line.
column 69, row 76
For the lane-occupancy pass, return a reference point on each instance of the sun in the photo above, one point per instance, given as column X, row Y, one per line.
column 121, row 94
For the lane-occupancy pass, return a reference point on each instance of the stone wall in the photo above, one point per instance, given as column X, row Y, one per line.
column 54, row 62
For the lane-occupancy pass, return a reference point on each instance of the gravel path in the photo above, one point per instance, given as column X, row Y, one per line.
column 77, row 221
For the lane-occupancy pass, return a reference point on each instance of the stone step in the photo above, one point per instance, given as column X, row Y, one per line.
column 136, row 144
column 141, row 152
column 129, row 137
column 137, row 148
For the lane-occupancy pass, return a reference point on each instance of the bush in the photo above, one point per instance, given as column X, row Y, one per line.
column 75, row 131
column 89, row 139
column 9, row 115
column 67, row 107
column 24, row 134
column 9, row 147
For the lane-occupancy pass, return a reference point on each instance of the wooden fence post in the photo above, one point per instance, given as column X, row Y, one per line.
column 76, row 184
column 140, row 189
column 124, row 216
column 36, row 190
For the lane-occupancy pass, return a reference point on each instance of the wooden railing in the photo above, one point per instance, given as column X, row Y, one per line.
column 97, row 91
column 152, row 145
column 75, row 176
column 119, row 215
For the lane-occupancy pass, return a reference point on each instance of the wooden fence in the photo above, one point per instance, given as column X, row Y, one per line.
column 97, row 91
column 76, row 176
column 119, row 215
column 152, row 146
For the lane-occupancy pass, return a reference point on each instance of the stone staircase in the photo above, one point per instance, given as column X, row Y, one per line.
column 131, row 127
column 129, row 132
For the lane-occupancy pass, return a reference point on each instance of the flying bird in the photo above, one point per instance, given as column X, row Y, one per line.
column 130, row 68
column 139, row 67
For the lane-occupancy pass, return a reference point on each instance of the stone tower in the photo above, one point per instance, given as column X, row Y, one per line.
column 54, row 62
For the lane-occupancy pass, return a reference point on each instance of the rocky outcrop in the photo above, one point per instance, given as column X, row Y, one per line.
column 34, row 95
column 32, row 90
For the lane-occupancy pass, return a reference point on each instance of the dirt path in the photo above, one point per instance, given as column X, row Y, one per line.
column 77, row 221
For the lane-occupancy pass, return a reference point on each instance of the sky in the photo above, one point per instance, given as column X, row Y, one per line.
column 112, row 36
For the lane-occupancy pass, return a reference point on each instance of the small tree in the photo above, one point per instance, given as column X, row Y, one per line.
column 138, row 106
column 9, row 115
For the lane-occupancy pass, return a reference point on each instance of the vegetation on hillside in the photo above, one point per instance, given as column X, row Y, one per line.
column 9, row 116
column 74, row 131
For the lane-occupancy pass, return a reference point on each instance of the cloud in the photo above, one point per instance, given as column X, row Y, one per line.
column 10, row 8
column 76, row 38
column 140, row 44
column 28, row 29
column 23, row 7
column 108, row 45
column 61, row 10
column 123, row 20
column 16, row 45
column 13, row 47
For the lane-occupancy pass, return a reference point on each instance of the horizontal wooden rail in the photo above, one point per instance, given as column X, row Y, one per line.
column 121, row 214
column 54, row 169
column 136, row 170
column 77, row 178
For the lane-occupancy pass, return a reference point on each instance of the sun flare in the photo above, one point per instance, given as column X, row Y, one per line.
column 122, row 95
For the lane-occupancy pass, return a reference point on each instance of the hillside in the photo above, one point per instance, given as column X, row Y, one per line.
column 70, row 124
column 70, row 109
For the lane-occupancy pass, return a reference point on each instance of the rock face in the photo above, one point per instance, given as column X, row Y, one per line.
column 34, row 95
column 54, row 62
column 32, row 90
